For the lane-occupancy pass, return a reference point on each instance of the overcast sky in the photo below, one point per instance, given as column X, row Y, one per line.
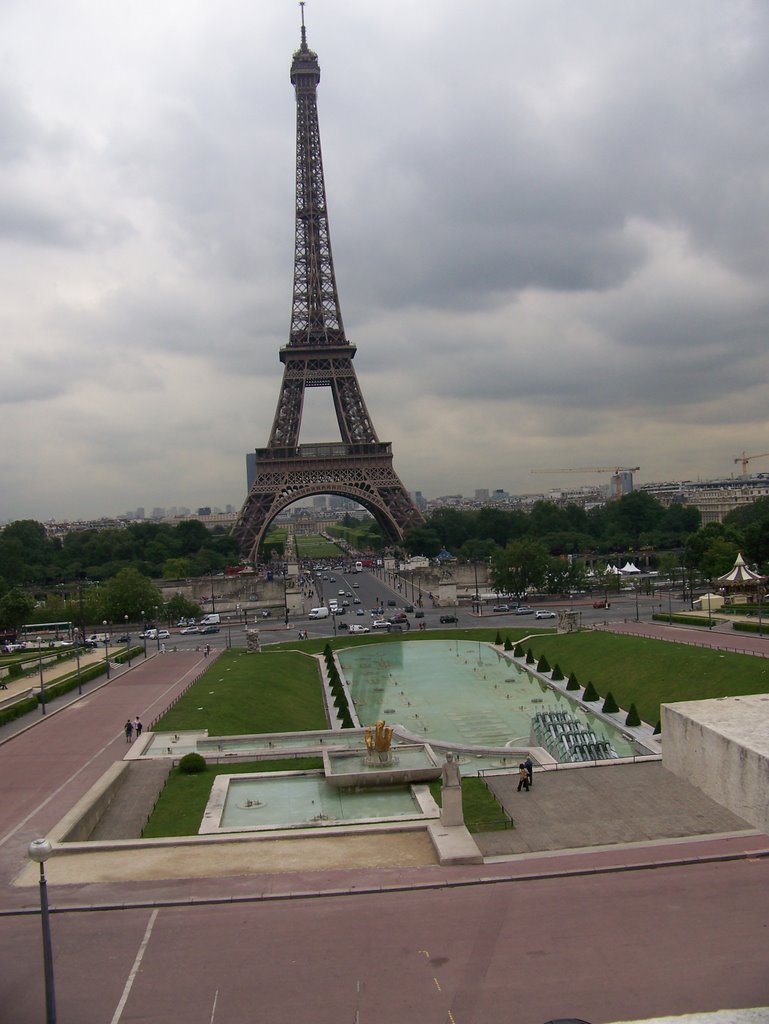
column 549, row 223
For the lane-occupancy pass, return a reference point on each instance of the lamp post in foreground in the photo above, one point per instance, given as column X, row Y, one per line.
column 39, row 851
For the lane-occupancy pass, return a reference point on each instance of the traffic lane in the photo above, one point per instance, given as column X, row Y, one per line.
column 621, row 946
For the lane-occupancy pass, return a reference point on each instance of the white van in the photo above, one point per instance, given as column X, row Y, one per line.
column 318, row 613
column 214, row 619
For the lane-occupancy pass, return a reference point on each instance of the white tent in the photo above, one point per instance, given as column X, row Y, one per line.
column 629, row 567
column 611, row 570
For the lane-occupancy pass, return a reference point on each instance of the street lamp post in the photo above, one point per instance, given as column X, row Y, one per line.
column 760, row 595
column 79, row 679
column 157, row 628
column 144, row 632
column 106, row 646
column 636, row 601
column 40, row 666
column 39, row 851
column 127, row 641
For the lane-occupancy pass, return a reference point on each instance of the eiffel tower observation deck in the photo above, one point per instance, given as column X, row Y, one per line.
column 318, row 354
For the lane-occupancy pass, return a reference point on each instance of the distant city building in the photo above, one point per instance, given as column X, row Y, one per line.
column 482, row 494
column 713, row 498
column 204, row 511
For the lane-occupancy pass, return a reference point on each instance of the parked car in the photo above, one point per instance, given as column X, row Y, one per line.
column 189, row 629
column 524, row 610
column 501, row 607
column 544, row 613
column 449, row 618
column 203, row 629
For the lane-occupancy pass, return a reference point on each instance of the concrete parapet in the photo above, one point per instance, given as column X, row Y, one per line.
column 722, row 747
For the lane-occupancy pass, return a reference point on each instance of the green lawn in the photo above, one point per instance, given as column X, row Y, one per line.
column 179, row 810
column 314, row 546
column 252, row 693
column 650, row 672
column 481, row 811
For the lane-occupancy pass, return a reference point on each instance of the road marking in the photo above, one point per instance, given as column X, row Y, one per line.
column 213, row 1008
column 437, row 984
column 426, row 953
column 135, row 969
column 451, row 1018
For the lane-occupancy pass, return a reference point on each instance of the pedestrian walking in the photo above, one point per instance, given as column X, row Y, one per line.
column 129, row 730
column 523, row 777
column 530, row 770
column 138, row 727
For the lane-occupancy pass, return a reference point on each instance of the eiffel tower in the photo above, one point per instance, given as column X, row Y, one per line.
column 318, row 355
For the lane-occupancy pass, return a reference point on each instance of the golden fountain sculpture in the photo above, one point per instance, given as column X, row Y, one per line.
column 378, row 741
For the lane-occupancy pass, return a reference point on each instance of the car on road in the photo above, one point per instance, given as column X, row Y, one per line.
column 358, row 627
column 356, row 600
column 355, row 586
column 408, row 607
column 203, row 629
column 501, row 607
column 380, row 624
column 524, row 610
column 419, row 614
column 189, row 629
column 13, row 648
column 360, row 611
column 449, row 618
column 391, row 603
column 544, row 613
column 399, row 617
column 124, row 638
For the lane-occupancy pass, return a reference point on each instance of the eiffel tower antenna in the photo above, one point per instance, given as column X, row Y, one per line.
column 318, row 354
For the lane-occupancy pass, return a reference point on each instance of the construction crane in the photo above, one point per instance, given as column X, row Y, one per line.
column 745, row 459
column 616, row 470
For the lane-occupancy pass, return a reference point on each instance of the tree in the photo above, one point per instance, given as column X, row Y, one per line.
column 16, row 607
column 521, row 565
column 179, row 607
column 129, row 593
column 176, row 568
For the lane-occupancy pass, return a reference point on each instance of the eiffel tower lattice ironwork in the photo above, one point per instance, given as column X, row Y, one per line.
column 319, row 355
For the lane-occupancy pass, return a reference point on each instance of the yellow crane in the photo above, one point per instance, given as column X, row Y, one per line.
column 745, row 459
column 616, row 470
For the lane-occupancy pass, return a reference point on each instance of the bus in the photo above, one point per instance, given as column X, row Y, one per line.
column 358, row 567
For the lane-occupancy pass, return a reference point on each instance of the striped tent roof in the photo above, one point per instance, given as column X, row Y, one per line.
column 740, row 575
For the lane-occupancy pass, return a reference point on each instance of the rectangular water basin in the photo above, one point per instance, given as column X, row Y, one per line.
column 290, row 800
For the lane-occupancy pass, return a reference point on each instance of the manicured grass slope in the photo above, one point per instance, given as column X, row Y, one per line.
column 252, row 693
column 649, row 672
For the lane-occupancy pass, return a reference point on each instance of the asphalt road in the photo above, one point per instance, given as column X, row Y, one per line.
column 601, row 948
column 375, row 590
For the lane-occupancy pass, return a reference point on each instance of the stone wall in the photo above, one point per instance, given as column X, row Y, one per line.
column 722, row 747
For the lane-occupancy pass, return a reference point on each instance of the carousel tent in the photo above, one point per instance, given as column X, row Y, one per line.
column 740, row 577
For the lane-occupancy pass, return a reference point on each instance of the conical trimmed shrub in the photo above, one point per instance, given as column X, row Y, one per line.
column 529, row 657
column 518, row 652
column 591, row 694
column 633, row 718
column 509, row 644
column 543, row 665
column 573, row 683
column 610, row 705
column 658, row 728
column 498, row 639
column 557, row 674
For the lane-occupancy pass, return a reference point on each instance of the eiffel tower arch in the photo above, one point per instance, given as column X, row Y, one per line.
column 318, row 354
